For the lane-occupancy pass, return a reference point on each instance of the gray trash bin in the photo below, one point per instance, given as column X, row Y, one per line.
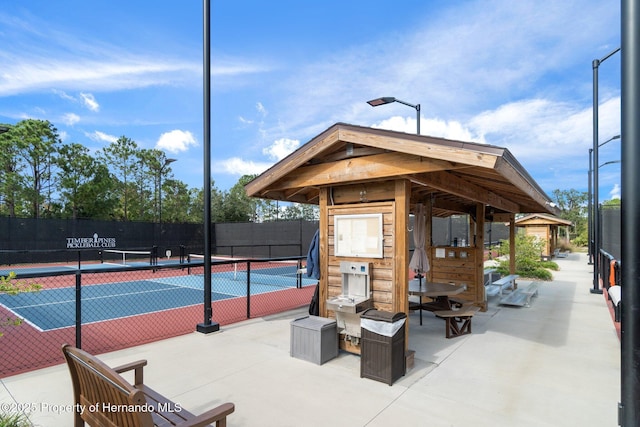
column 382, row 345
column 314, row 339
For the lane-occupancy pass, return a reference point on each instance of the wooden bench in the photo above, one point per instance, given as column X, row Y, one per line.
column 104, row 398
column 521, row 297
column 507, row 282
column 615, row 295
column 458, row 322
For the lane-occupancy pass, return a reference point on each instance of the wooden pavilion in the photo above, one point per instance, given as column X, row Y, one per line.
column 545, row 228
column 360, row 172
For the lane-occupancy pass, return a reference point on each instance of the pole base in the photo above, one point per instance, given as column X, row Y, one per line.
column 596, row 291
column 204, row 328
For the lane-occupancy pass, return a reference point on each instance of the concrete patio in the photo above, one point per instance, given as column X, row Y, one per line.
column 556, row 363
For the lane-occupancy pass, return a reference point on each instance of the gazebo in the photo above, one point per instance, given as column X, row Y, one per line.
column 367, row 182
column 545, row 228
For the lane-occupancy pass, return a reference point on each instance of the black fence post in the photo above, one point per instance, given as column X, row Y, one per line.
column 78, row 309
column 248, row 289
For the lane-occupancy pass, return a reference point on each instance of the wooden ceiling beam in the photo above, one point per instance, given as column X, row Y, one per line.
column 448, row 182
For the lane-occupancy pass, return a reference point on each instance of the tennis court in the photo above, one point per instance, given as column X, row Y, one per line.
column 55, row 308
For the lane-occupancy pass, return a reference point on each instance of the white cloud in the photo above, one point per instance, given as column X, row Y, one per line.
column 90, row 102
column 261, row 109
column 70, row 119
column 176, row 141
column 535, row 127
column 281, row 148
column 615, row 192
column 62, row 94
column 101, row 136
column 239, row 167
column 432, row 127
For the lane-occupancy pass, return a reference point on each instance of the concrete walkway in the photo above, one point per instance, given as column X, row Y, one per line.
column 556, row 363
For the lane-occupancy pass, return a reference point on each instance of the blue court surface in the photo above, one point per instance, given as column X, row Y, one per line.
column 51, row 309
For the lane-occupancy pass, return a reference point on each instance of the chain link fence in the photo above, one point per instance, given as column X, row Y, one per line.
column 109, row 306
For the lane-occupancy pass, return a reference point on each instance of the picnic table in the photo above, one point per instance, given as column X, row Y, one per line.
column 439, row 292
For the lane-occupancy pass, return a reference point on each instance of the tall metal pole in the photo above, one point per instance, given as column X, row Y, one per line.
column 630, row 330
column 596, row 201
column 590, row 211
column 207, row 326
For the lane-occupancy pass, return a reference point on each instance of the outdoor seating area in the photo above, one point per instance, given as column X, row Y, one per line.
column 498, row 375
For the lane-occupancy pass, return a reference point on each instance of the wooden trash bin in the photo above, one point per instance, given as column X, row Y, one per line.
column 382, row 345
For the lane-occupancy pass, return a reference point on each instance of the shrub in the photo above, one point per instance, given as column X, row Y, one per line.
column 14, row 420
column 528, row 262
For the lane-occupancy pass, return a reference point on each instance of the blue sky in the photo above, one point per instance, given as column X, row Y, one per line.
column 516, row 74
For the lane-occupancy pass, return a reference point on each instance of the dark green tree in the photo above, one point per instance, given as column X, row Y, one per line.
column 37, row 143
column 573, row 207
column 10, row 174
column 237, row 206
column 76, row 169
column 122, row 156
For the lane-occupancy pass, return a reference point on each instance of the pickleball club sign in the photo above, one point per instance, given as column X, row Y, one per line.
column 91, row 242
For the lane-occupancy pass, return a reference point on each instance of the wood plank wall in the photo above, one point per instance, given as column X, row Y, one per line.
column 382, row 269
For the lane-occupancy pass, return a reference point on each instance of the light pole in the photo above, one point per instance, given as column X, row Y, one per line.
column 596, row 239
column 167, row 162
column 390, row 99
column 590, row 211
column 590, row 208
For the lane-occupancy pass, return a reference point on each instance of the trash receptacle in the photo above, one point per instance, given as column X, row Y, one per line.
column 382, row 345
column 314, row 339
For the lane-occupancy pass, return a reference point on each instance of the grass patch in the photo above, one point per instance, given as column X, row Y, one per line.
column 14, row 420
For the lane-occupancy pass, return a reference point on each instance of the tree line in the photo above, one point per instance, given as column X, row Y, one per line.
column 43, row 177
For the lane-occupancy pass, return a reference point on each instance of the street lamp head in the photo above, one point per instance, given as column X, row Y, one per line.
column 4, row 129
column 381, row 101
column 390, row 99
column 613, row 138
column 168, row 161
column 611, row 162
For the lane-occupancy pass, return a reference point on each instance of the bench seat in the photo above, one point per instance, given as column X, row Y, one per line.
column 521, row 297
column 458, row 322
column 615, row 295
column 495, row 288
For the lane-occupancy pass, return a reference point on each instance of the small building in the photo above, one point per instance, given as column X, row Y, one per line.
column 545, row 228
column 368, row 182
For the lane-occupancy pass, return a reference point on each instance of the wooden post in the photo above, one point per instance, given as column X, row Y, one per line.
column 428, row 241
column 479, row 242
column 512, row 244
column 324, row 250
column 401, row 246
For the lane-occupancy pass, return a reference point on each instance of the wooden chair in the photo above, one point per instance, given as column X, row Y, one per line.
column 103, row 397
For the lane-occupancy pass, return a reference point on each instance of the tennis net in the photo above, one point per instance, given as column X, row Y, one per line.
column 275, row 273
column 129, row 257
